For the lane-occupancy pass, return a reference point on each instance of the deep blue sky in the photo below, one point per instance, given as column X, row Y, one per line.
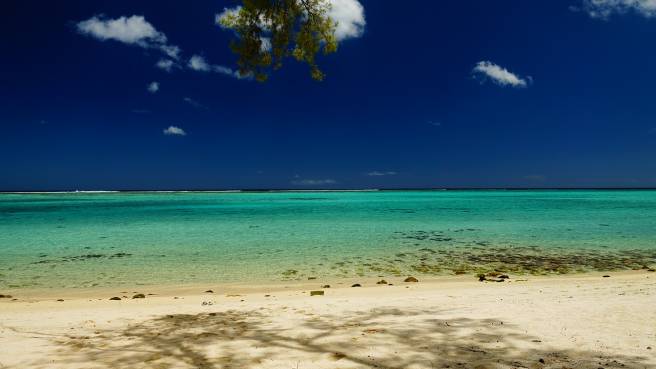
column 400, row 100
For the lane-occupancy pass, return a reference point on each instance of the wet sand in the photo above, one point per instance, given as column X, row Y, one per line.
column 569, row 321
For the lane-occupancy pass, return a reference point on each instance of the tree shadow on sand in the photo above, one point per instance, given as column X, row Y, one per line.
column 380, row 338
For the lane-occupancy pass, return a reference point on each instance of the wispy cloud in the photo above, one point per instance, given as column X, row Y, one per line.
column 603, row 9
column 499, row 75
column 194, row 103
column 198, row 63
column 175, row 131
column 133, row 30
column 166, row 64
column 348, row 14
column 153, row 87
column 381, row 173
column 313, row 182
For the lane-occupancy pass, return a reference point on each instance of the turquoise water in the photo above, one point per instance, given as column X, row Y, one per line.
column 112, row 239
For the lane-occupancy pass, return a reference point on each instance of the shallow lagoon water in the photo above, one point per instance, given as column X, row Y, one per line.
column 111, row 239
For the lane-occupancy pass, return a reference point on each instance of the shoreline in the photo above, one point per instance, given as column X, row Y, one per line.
column 254, row 287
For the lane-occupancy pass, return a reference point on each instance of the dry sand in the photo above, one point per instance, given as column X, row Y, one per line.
column 578, row 321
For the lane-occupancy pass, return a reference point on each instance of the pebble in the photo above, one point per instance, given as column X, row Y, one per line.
column 316, row 293
column 357, row 285
column 411, row 279
column 115, row 298
column 139, row 296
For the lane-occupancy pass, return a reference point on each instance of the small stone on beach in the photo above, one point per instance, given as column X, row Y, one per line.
column 357, row 285
column 115, row 298
column 606, row 276
column 5, row 296
column 139, row 296
column 316, row 293
column 382, row 281
column 209, row 291
column 326, row 286
column 411, row 279
column 60, row 300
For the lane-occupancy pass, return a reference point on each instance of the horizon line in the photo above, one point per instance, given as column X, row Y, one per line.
column 327, row 190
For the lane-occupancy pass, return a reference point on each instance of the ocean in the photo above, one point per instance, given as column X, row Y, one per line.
column 76, row 240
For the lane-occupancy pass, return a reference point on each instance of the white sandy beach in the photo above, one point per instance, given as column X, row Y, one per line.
column 575, row 321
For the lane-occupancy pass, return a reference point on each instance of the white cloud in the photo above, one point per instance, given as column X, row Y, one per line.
column 166, row 64
column 133, row 30
column 381, row 174
column 605, row 8
column 313, row 182
column 198, row 63
column 153, row 87
column 175, row 131
column 349, row 15
column 499, row 75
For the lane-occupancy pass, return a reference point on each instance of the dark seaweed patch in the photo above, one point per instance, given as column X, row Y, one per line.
column 82, row 258
column 482, row 256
